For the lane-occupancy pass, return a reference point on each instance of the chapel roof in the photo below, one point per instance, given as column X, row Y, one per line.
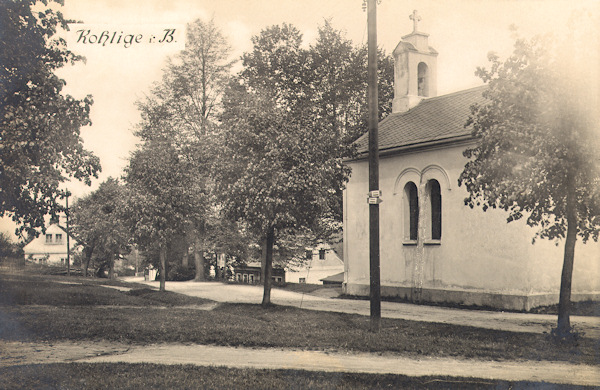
column 435, row 119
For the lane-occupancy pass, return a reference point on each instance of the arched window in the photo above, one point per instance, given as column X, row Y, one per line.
column 411, row 211
column 423, row 79
column 435, row 196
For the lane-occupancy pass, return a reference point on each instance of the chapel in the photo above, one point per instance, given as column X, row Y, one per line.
column 432, row 247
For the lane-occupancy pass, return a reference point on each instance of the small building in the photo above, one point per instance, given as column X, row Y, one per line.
column 51, row 247
column 433, row 247
column 250, row 273
column 321, row 261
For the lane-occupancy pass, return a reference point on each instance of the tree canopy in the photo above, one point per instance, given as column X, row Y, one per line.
column 98, row 223
column 40, row 143
column 539, row 141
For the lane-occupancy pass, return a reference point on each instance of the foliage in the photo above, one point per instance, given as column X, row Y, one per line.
column 98, row 223
column 538, row 143
column 535, row 133
column 180, row 273
column 168, row 174
column 8, row 248
column 40, row 144
column 338, row 81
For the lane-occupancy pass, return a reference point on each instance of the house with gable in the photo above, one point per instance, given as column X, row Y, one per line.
column 51, row 247
column 322, row 261
column 432, row 247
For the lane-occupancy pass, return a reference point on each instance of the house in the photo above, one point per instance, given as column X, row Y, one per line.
column 250, row 273
column 51, row 247
column 321, row 262
column 433, row 247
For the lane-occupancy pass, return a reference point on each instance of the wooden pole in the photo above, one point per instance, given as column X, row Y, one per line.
column 68, row 240
column 375, row 288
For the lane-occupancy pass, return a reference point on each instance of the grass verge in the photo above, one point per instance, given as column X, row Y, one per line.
column 138, row 376
column 43, row 309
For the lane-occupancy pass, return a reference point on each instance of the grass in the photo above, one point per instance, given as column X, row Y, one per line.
column 36, row 309
column 27, row 289
column 127, row 376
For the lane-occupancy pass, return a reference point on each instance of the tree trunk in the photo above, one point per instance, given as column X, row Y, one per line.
column 111, row 268
column 162, row 266
column 184, row 260
column 267, row 266
column 564, row 303
column 198, row 259
column 88, row 259
column 186, row 243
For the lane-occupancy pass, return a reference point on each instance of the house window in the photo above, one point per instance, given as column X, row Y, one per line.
column 411, row 211
column 48, row 238
column 238, row 277
column 252, row 278
column 302, row 280
column 309, row 255
column 58, row 238
column 435, row 196
column 245, row 278
column 321, row 254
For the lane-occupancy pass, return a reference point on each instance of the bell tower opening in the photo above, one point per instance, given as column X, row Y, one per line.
column 415, row 69
column 422, row 80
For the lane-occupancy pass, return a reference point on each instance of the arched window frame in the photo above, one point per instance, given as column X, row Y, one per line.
column 411, row 213
column 434, row 212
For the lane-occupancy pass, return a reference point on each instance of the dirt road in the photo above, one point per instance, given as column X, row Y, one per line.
column 273, row 358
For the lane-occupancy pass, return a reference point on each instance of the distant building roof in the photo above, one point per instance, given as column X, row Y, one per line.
column 337, row 278
column 435, row 119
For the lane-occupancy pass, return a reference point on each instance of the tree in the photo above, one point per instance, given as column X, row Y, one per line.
column 338, row 83
column 40, row 144
column 178, row 117
column 194, row 80
column 275, row 170
column 165, row 193
column 538, row 134
column 9, row 249
column 98, row 223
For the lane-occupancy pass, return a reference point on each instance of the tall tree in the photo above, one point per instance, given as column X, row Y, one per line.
column 180, row 113
column 40, row 143
column 193, row 81
column 338, row 82
column 98, row 223
column 275, row 170
column 539, row 139
column 166, row 193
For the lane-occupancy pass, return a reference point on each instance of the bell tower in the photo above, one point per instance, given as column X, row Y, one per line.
column 415, row 69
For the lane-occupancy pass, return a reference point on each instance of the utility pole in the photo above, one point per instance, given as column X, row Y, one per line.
column 374, row 194
column 68, row 239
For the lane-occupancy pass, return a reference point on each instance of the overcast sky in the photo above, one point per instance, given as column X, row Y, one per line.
column 462, row 31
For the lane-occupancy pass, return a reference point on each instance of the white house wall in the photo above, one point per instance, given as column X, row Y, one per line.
column 479, row 252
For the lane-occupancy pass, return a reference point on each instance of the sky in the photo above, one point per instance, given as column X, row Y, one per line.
column 462, row 31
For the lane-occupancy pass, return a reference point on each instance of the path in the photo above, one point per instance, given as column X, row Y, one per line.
column 275, row 358
column 515, row 322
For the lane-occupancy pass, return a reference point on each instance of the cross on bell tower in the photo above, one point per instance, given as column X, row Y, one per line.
column 415, row 69
column 416, row 18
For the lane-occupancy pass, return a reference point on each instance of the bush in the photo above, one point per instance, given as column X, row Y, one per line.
column 180, row 273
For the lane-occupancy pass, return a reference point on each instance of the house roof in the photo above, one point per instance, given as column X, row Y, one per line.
column 337, row 278
column 435, row 119
column 39, row 246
